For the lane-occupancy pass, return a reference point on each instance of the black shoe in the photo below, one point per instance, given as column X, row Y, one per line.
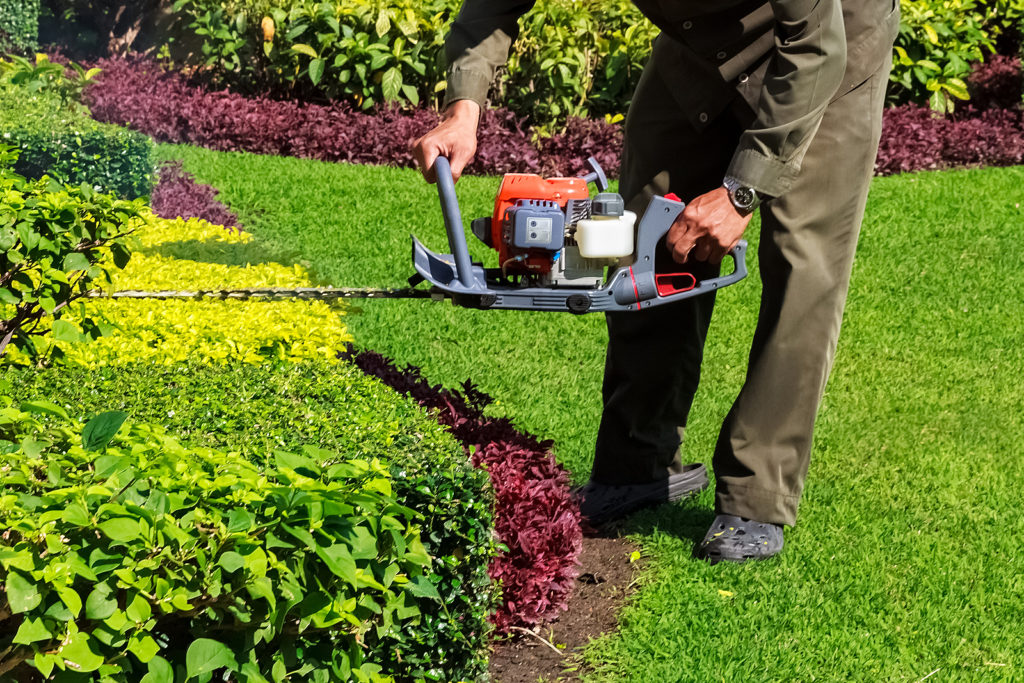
column 603, row 503
column 737, row 539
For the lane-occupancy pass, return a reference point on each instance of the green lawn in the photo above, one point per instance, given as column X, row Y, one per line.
column 908, row 557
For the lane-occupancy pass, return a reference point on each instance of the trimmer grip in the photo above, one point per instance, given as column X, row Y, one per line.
column 641, row 287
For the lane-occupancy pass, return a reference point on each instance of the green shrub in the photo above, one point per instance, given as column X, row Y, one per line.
column 938, row 41
column 568, row 61
column 64, row 143
column 143, row 556
column 56, row 243
column 19, row 25
column 258, row 409
column 363, row 52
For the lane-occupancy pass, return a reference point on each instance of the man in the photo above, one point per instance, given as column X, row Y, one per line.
column 744, row 103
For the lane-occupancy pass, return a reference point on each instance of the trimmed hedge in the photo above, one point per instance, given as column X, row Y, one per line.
column 66, row 144
column 130, row 555
column 256, row 409
column 19, row 25
column 536, row 519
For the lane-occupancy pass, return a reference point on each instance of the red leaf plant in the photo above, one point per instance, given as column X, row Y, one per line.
column 535, row 516
column 178, row 195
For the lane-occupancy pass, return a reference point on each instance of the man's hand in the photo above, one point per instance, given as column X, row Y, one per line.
column 454, row 137
column 707, row 228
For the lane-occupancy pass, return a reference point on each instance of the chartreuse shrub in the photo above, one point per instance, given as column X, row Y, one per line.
column 56, row 137
column 135, row 557
column 19, row 25
column 56, row 243
column 192, row 255
column 256, row 409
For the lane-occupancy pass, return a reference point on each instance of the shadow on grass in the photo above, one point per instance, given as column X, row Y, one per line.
column 221, row 253
column 688, row 520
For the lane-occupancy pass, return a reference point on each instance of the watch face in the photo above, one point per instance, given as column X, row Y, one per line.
column 745, row 196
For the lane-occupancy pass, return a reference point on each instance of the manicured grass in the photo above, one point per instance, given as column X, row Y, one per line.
column 907, row 557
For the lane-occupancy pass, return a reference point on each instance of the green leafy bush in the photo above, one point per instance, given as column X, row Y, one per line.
column 576, row 60
column 364, row 52
column 938, row 41
column 147, row 557
column 67, row 81
column 19, row 25
column 55, row 244
column 570, row 60
column 256, row 409
column 64, row 143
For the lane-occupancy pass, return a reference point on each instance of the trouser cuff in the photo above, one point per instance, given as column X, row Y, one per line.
column 757, row 504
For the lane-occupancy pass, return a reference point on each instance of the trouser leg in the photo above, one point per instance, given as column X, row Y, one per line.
column 808, row 239
column 652, row 365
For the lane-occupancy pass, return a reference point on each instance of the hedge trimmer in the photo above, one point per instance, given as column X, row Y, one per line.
column 555, row 244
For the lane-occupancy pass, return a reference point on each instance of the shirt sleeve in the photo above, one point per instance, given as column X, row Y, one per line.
column 478, row 44
column 803, row 75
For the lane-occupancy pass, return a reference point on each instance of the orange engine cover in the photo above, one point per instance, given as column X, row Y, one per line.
column 516, row 186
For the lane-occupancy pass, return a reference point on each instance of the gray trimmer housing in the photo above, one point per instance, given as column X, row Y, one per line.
column 628, row 288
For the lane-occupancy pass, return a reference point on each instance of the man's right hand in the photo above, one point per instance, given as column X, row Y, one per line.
column 454, row 137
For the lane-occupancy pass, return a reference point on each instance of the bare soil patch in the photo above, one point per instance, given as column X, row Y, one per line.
column 604, row 583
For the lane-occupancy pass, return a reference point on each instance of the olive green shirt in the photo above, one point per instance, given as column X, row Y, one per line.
column 778, row 61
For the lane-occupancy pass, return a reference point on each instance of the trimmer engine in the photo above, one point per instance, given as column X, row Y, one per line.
column 539, row 223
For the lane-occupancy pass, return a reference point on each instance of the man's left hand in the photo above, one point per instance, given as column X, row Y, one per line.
column 707, row 228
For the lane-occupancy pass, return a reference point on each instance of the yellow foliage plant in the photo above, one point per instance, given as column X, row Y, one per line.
column 195, row 255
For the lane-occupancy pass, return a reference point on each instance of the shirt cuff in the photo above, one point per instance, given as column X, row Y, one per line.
column 466, row 85
column 769, row 177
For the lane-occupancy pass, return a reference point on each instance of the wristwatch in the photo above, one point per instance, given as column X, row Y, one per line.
column 744, row 198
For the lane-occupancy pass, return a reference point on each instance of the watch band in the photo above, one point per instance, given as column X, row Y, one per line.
column 743, row 197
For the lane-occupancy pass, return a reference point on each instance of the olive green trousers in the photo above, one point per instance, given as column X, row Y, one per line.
column 807, row 243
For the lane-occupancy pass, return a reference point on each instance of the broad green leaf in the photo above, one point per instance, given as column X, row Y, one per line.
column 22, row 594
column 160, row 671
column 231, row 561
column 240, row 519
column 339, row 560
column 101, row 429
column 100, row 604
column 120, row 529
column 316, row 70
column 76, row 514
column 139, row 610
column 145, row 648
column 421, row 587
column 44, row 408
column 76, row 261
column 391, row 83
column 71, row 598
column 45, row 663
column 206, row 655
column 304, row 49
column 294, row 461
column 66, row 332
column 32, row 630
column 16, row 559
column 78, row 654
